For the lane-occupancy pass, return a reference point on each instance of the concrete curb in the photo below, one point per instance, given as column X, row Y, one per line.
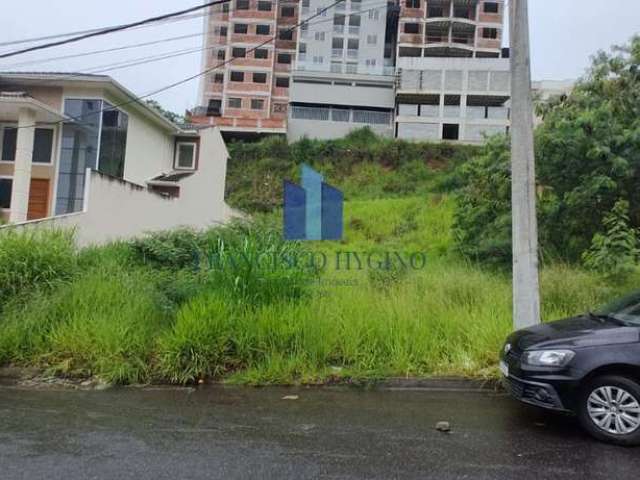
column 13, row 376
column 443, row 384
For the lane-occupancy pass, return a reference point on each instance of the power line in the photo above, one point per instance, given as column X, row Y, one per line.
column 136, row 99
column 175, row 53
column 106, row 50
column 78, row 32
column 114, row 29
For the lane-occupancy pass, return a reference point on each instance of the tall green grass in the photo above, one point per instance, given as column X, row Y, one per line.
column 34, row 259
column 141, row 311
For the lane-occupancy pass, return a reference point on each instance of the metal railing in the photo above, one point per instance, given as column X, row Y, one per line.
column 310, row 113
column 368, row 117
column 338, row 28
column 354, row 30
column 371, row 117
column 352, row 53
column 337, row 52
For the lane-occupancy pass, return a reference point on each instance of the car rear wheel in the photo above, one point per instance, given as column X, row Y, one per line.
column 610, row 409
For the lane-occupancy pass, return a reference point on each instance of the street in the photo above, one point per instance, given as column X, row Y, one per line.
column 242, row 433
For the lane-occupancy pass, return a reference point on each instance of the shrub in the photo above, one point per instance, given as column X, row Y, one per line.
column 35, row 259
column 197, row 345
column 614, row 252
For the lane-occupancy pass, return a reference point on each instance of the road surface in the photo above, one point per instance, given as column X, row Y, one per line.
column 244, row 433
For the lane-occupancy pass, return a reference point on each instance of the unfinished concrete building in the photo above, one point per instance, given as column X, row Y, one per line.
column 450, row 28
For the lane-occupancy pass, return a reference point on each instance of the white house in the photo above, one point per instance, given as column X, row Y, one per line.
column 81, row 151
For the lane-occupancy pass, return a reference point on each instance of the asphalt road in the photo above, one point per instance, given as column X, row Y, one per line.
column 245, row 433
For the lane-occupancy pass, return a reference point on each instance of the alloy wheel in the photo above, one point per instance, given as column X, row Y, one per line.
column 614, row 410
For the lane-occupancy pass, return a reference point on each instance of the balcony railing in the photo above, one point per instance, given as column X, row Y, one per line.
column 462, row 40
column 368, row 117
column 352, row 53
column 338, row 29
column 336, row 52
column 437, row 39
column 371, row 117
column 354, row 30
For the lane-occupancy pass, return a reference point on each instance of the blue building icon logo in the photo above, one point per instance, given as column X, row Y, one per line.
column 312, row 211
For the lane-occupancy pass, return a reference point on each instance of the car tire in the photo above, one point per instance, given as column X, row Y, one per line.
column 591, row 408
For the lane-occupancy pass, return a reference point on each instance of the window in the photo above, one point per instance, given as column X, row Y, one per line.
column 238, row 52
column 261, row 53
column 79, row 151
column 287, row 12
column 42, row 144
column 372, row 39
column 237, row 76
column 234, row 103
column 113, row 141
column 263, row 29
column 240, row 28
column 370, row 62
column 490, row 33
column 185, row 156
column 337, row 43
column 282, row 82
column 318, row 59
column 222, row 31
column 302, row 48
column 284, row 58
column 411, row 28
column 221, row 54
column 490, row 7
column 264, row 6
column 6, row 185
column 374, row 14
column 9, row 140
column 280, row 108
column 218, row 78
column 257, row 104
column 214, row 108
column 259, row 77
column 413, row 3
column 286, row 34
column 225, row 8
column 450, row 131
column 353, row 44
column 242, row 4
column 354, row 20
column 319, row 36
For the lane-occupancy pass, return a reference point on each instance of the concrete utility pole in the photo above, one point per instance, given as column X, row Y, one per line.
column 526, row 289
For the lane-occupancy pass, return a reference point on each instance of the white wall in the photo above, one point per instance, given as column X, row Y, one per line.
column 115, row 209
column 149, row 150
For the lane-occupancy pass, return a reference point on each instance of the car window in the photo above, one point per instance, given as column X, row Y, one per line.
column 626, row 308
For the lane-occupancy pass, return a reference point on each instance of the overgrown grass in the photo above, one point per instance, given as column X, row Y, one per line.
column 228, row 303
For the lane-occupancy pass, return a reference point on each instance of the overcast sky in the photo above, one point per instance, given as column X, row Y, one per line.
column 564, row 34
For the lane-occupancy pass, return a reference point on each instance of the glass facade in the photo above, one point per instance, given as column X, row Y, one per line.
column 95, row 139
column 113, row 141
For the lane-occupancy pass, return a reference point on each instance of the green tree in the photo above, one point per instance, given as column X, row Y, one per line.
column 169, row 115
column 588, row 158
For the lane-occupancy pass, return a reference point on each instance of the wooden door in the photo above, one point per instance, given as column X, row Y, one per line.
column 38, row 199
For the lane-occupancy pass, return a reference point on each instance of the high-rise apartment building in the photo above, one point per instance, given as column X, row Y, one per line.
column 250, row 93
column 343, row 78
column 431, row 69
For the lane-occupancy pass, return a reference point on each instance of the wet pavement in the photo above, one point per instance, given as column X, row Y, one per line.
column 244, row 433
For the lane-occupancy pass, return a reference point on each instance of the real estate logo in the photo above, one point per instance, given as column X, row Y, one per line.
column 312, row 211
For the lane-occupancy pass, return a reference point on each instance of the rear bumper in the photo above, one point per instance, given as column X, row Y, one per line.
column 542, row 395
